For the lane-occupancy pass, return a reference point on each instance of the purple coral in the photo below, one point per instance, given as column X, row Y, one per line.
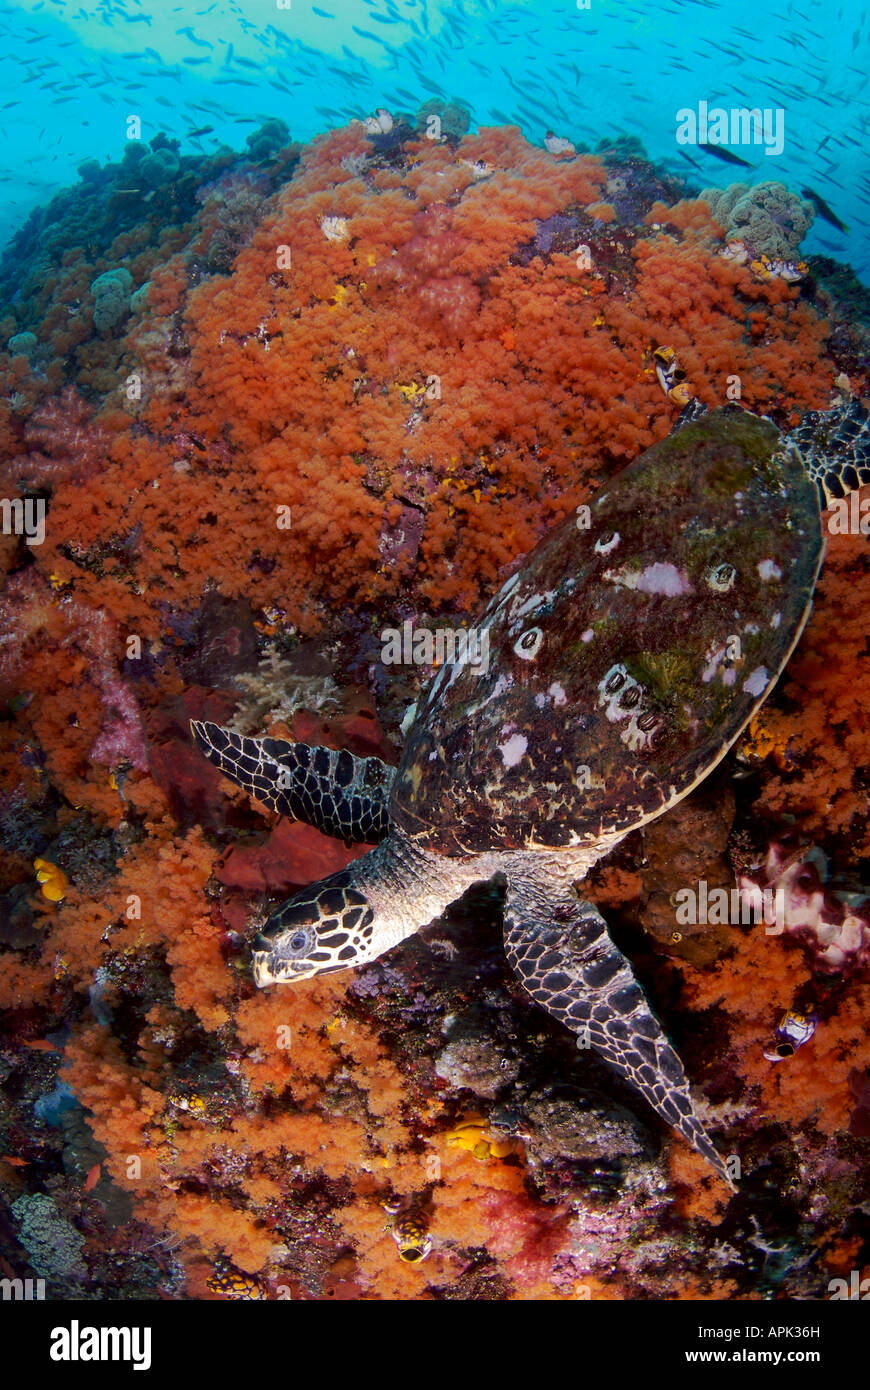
column 122, row 737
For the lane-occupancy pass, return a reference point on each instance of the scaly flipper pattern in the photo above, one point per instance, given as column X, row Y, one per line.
column 835, row 446
column 342, row 795
column 565, row 959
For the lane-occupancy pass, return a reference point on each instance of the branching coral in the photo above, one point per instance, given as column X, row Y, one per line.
column 65, row 444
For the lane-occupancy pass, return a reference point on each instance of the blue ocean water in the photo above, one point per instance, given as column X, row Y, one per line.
column 72, row 76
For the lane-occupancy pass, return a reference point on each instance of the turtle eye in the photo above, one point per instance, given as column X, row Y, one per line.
column 301, row 942
column 722, row 578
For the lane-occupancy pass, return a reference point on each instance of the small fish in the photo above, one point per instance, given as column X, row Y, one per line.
column 823, row 210
column 200, row 43
column 200, row 130
column 366, row 34
column 727, row 156
column 691, row 160
column 430, row 86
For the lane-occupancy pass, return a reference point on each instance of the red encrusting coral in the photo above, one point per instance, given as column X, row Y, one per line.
column 366, row 392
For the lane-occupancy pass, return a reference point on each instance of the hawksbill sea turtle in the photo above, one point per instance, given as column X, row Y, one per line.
column 626, row 657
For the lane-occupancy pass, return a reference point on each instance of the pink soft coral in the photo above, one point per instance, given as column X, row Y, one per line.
column 835, row 927
column 64, row 443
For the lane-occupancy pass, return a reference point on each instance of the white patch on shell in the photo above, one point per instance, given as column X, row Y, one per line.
column 555, row 696
column 450, row 671
column 528, row 644
column 658, row 578
column 503, row 594
column 756, row 683
column 776, row 620
column 604, row 546
column 587, row 635
column 437, row 684
column 714, row 661
column 664, row 579
column 513, row 749
column 520, row 610
column 769, row 569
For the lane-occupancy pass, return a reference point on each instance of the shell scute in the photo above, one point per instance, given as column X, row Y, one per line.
column 612, row 649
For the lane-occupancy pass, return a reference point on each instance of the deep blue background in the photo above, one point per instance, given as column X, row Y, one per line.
column 71, row 74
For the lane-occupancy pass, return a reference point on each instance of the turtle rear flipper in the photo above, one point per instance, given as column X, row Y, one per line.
column 563, row 954
column 835, row 447
column 342, row 795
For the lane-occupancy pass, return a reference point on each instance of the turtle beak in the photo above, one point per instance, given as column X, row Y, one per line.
column 261, row 969
column 268, row 968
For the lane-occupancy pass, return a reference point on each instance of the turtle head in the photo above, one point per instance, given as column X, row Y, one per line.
column 329, row 926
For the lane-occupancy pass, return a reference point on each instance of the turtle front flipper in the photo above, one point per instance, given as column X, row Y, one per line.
column 341, row 795
column 565, row 959
column 835, row 447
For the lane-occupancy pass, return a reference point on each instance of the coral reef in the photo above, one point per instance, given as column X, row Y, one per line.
column 274, row 402
column 454, row 118
column 111, row 292
column 53, row 1244
column 767, row 217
